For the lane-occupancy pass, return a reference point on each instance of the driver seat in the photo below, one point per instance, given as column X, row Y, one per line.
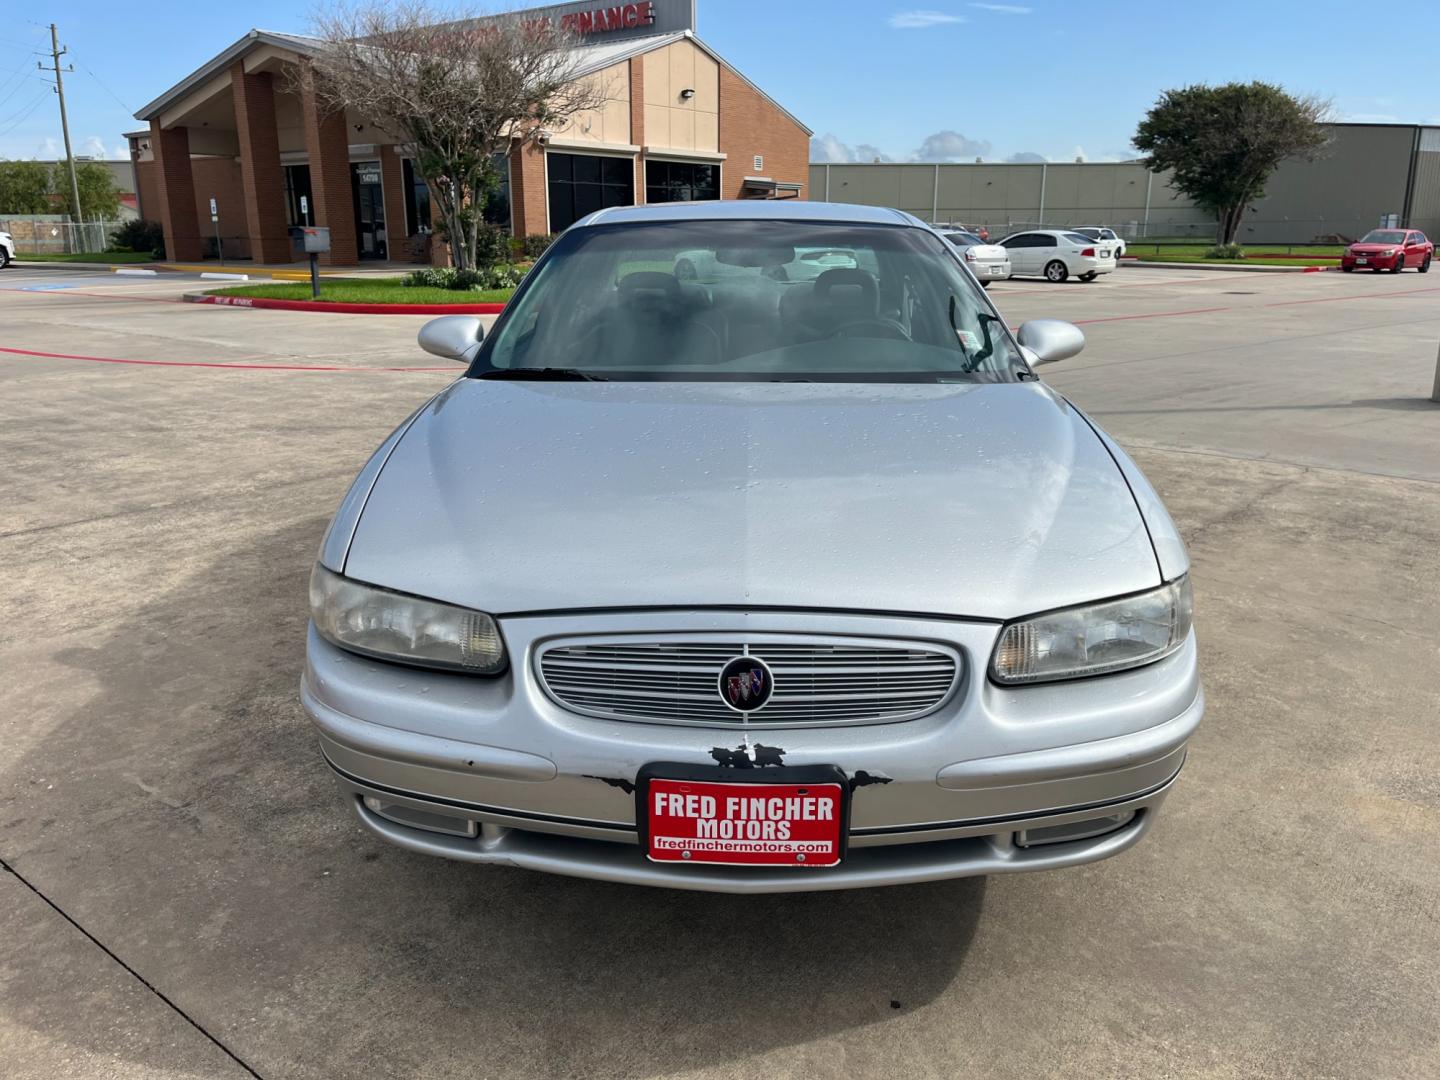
column 838, row 296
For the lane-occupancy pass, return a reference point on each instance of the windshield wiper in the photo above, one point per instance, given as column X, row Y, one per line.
column 553, row 374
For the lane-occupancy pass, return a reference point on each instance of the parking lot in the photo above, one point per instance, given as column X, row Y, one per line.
column 189, row 899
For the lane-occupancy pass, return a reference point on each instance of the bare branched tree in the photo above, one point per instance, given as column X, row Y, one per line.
column 457, row 87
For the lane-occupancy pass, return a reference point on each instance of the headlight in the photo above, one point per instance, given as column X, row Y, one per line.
column 1387, row 253
column 1095, row 639
column 393, row 626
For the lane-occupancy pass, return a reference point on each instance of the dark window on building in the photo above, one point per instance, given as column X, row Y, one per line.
column 297, row 186
column 497, row 203
column 417, row 200
column 680, row 181
column 583, row 183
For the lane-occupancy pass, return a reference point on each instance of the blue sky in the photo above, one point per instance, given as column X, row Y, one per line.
column 926, row 80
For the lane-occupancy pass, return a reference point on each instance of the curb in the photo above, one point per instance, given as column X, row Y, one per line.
column 338, row 308
column 1231, row 269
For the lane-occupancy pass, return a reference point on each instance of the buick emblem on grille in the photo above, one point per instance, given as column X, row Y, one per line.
column 745, row 683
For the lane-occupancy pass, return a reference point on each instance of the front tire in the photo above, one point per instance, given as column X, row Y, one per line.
column 1347, row 269
column 1399, row 263
column 1056, row 271
column 685, row 270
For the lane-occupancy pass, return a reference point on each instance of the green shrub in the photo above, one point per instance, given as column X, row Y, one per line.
column 139, row 235
column 1226, row 251
column 492, row 245
column 447, row 277
column 532, row 247
column 431, row 277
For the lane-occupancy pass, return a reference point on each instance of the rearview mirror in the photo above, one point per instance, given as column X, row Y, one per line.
column 1049, row 340
column 455, row 337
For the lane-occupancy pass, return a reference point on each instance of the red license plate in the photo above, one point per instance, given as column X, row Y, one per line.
column 745, row 824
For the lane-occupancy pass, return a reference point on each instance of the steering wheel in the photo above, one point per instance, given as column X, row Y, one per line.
column 874, row 327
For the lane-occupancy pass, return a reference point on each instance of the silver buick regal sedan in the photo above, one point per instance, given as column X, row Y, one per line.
column 782, row 573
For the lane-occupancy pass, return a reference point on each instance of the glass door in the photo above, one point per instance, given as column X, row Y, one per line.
column 369, row 209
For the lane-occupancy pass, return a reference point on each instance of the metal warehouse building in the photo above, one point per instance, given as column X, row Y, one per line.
column 1368, row 171
column 236, row 154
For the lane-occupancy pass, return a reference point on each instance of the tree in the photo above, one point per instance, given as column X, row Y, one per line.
column 24, row 188
column 457, row 90
column 1222, row 143
column 99, row 197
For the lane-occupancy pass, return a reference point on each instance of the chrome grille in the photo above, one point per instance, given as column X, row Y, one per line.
column 846, row 681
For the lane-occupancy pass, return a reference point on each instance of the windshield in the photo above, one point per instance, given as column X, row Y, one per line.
column 752, row 301
column 1093, row 234
column 1383, row 236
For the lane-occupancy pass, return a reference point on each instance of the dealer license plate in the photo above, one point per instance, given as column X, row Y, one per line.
column 1362, row 262
column 748, row 823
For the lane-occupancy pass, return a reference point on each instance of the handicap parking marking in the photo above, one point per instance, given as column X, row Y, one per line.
column 47, row 287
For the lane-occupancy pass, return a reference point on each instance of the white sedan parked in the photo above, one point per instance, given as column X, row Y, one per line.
column 1058, row 254
column 988, row 262
column 1104, row 235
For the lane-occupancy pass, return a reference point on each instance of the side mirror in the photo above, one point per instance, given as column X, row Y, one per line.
column 455, row 337
column 1049, row 340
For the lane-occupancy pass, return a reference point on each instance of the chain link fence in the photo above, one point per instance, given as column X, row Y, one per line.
column 1283, row 233
column 54, row 235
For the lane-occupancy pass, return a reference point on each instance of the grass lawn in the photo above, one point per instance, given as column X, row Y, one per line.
column 1264, row 254
column 87, row 257
column 1249, row 260
column 366, row 291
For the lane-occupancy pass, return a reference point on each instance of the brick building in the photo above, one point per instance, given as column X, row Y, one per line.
column 678, row 123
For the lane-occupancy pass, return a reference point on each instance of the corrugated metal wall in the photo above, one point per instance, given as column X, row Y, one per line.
column 1425, row 196
column 1365, row 173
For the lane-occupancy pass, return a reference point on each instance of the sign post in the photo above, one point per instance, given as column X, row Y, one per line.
column 1435, row 393
column 215, row 220
column 316, row 241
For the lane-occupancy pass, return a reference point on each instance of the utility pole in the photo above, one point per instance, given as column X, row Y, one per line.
column 55, row 53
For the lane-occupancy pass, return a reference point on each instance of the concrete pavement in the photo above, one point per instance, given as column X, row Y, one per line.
column 160, row 785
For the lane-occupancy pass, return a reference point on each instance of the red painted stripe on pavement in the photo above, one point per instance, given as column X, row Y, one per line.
column 338, row 308
column 1362, row 296
column 210, row 363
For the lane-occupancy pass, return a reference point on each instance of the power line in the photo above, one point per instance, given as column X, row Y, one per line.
column 22, row 116
column 104, row 87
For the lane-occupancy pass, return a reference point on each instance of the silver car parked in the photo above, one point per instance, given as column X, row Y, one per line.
column 755, row 581
column 988, row 262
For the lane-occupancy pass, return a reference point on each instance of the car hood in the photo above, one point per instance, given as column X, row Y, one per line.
column 982, row 500
column 1373, row 249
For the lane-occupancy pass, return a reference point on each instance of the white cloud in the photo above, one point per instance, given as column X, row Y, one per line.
column 829, row 148
column 49, row 149
column 951, row 146
column 1026, row 157
column 1004, row 9
column 923, row 19
column 94, row 146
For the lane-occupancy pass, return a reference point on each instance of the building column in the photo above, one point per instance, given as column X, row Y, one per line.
column 261, row 173
column 176, row 187
column 392, row 180
column 527, row 189
column 327, row 140
column 637, row 123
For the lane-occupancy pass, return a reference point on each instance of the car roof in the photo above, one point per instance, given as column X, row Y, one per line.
column 751, row 210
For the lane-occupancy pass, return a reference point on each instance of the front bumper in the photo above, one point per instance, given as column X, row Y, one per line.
column 946, row 794
column 1372, row 262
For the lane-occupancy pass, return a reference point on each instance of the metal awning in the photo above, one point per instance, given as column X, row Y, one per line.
column 765, row 187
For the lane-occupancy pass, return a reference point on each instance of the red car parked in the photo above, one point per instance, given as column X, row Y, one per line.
column 1389, row 249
